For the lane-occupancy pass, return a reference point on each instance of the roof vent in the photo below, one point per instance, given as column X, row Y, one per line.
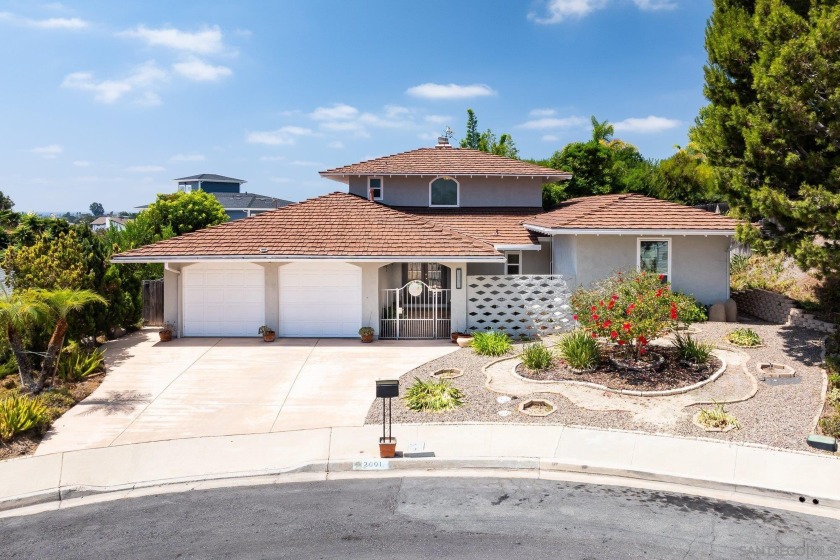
column 263, row 250
column 443, row 142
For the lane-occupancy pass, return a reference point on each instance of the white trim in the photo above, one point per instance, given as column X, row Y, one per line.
column 457, row 192
column 381, row 187
column 295, row 258
column 527, row 247
column 670, row 255
column 683, row 232
column 518, row 265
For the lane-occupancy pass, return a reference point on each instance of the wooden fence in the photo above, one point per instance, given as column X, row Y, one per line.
column 153, row 303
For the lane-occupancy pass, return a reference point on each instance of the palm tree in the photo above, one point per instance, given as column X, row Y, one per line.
column 18, row 312
column 60, row 304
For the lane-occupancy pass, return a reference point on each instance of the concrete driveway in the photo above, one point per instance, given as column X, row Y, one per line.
column 226, row 386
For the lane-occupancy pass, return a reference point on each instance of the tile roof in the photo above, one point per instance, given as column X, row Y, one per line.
column 334, row 225
column 630, row 211
column 211, row 177
column 499, row 226
column 447, row 161
column 249, row 200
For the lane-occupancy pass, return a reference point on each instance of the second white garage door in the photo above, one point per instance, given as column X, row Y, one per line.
column 320, row 299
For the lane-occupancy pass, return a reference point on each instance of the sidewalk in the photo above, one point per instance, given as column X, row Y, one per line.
column 699, row 463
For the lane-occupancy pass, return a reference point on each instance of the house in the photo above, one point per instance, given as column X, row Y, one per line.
column 424, row 242
column 228, row 191
column 104, row 223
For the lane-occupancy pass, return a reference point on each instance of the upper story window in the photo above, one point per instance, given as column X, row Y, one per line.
column 443, row 191
column 375, row 188
column 655, row 257
column 513, row 263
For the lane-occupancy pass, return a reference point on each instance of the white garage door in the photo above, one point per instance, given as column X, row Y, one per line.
column 223, row 299
column 320, row 299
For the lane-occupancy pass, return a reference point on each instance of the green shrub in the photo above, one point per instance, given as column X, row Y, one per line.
column 57, row 399
column 9, row 367
column 434, row 396
column 77, row 364
column 691, row 350
column 579, row 349
column 830, row 425
column 491, row 343
column 537, row 357
column 744, row 337
column 689, row 309
column 717, row 417
column 832, row 363
column 20, row 413
column 834, row 380
column 833, row 398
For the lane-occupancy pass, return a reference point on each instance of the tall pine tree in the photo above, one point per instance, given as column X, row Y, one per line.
column 772, row 128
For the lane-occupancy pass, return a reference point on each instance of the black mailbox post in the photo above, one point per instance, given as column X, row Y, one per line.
column 387, row 389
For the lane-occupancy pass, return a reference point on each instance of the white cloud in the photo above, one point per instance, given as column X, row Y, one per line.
column 205, row 41
column 282, row 136
column 557, row 11
column 336, row 145
column 48, row 152
column 306, row 163
column 542, row 112
column 145, row 169
column 199, row 71
column 70, row 24
column 272, row 158
column 337, row 111
column 145, row 76
column 81, row 163
column 394, row 111
column 550, row 138
column 554, row 122
column 649, row 124
column 655, row 5
column 187, row 157
column 437, row 119
column 450, row 91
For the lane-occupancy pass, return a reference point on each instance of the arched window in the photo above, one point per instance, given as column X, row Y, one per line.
column 443, row 191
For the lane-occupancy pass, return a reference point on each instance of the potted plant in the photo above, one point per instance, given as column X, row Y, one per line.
column 267, row 333
column 464, row 339
column 366, row 333
column 387, row 447
column 166, row 331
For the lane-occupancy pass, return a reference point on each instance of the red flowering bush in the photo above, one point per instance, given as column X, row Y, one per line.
column 628, row 308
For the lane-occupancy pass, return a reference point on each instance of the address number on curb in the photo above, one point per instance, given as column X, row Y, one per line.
column 371, row 465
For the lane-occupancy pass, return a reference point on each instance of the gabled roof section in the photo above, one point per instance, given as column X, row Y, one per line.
column 445, row 160
column 211, row 177
column 498, row 226
column 629, row 212
column 336, row 225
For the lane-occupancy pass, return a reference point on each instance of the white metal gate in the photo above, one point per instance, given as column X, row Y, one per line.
column 415, row 311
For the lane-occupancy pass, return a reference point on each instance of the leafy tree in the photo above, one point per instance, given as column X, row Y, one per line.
column 686, row 177
column 472, row 137
column 772, row 128
column 28, row 227
column 49, row 263
column 97, row 209
column 183, row 212
column 6, row 203
column 18, row 313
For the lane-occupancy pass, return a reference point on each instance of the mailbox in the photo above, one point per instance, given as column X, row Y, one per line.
column 387, row 389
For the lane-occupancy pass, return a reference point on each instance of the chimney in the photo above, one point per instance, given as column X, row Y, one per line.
column 443, row 142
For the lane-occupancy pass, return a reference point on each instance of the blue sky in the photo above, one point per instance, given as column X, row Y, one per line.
column 109, row 101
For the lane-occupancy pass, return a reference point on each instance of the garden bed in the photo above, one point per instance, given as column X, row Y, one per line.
column 673, row 374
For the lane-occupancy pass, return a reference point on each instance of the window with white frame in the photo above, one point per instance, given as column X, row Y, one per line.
column 655, row 257
column 513, row 263
column 375, row 188
column 443, row 191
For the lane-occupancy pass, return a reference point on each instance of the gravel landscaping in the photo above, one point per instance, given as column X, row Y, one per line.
column 781, row 414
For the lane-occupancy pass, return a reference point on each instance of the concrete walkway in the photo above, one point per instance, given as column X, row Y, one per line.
column 197, row 387
column 123, row 470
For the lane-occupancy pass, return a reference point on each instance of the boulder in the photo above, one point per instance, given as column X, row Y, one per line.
column 731, row 309
column 717, row 313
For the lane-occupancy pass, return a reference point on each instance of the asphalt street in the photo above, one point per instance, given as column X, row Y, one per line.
column 463, row 518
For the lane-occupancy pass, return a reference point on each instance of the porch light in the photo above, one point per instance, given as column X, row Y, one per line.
column 387, row 389
column 458, row 275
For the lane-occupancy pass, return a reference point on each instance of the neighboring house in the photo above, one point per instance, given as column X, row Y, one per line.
column 413, row 245
column 104, row 223
column 228, row 191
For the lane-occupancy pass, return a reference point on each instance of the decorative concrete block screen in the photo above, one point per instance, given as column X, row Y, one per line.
column 527, row 304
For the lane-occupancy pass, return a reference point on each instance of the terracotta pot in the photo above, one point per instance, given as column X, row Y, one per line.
column 387, row 447
column 454, row 336
column 464, row 341
column 367, row 338
column 165, row 336
column 270, row 337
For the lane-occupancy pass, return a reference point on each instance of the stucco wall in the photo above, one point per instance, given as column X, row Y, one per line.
column 475, row 191
column 533, row 262
column 699, row 264
column 172, row 297
column 564, row 255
